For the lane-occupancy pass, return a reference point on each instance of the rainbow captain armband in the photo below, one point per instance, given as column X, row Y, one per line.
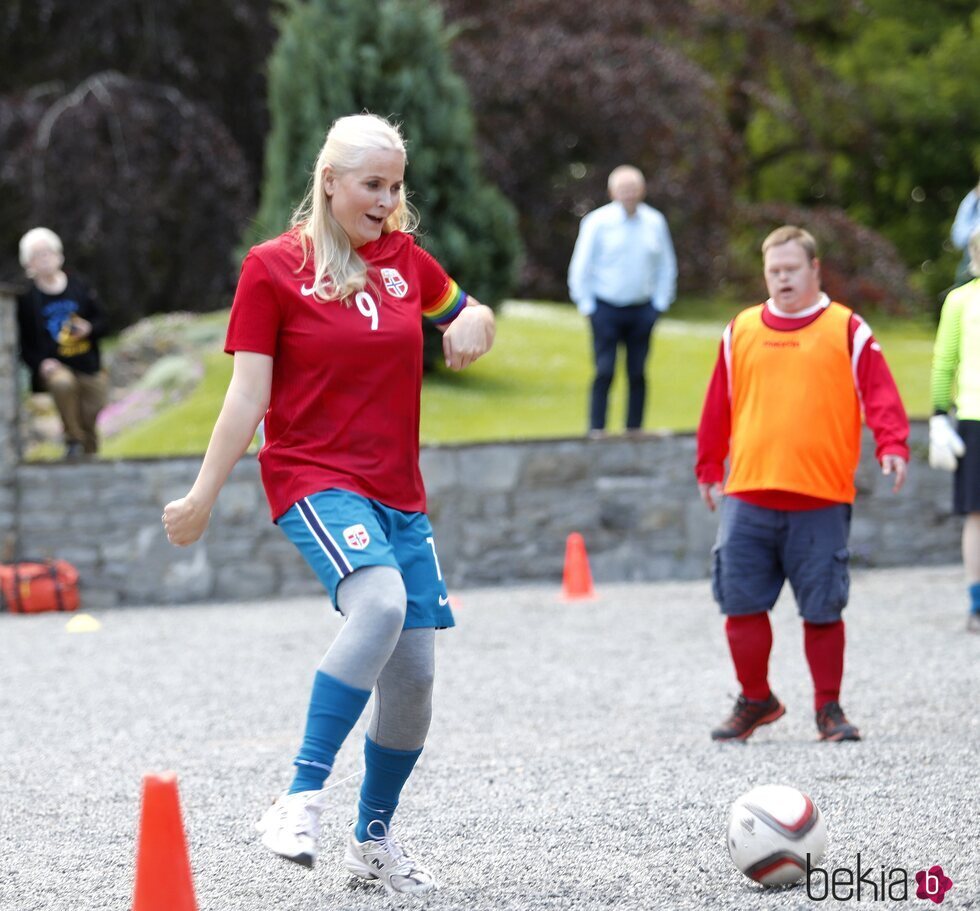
column 447, row 306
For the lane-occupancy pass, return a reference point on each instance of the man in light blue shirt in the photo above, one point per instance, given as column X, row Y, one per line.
column 622, row 276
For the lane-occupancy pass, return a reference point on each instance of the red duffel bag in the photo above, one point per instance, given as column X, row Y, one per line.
column 29, row 588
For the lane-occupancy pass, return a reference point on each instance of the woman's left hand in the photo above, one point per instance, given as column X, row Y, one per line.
column 469, row 336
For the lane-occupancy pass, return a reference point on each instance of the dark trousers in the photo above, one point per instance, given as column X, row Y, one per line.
column 631, row 326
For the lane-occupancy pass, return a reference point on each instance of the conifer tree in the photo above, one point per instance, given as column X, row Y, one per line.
column 389, row 57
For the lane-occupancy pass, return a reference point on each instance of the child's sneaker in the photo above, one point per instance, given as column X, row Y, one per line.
column 291, row 826
column 387, row 860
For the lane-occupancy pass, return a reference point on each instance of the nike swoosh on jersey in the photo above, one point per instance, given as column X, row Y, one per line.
column 306, row 292
column 443, row 601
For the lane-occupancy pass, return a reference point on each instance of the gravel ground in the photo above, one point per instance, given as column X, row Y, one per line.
column 568, row 766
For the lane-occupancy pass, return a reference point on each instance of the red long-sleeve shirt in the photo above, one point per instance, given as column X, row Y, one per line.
column 881, row 403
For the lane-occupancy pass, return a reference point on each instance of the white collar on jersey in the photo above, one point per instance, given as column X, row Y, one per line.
column 822, row 302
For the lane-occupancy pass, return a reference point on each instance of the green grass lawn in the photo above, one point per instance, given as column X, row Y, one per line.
column 535, row 382
column 184, row 428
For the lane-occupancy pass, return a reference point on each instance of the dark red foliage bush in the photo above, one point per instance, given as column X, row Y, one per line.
column 858, row 266
column 147, row 190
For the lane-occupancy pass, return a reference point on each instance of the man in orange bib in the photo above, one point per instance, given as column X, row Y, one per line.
column 794, row 376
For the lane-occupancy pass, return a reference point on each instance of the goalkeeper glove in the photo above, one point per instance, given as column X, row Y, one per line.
column 945, row 444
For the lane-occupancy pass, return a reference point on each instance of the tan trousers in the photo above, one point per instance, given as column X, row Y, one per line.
column 79, row 397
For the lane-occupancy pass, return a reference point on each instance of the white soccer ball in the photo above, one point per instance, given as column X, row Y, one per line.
column 771, row 829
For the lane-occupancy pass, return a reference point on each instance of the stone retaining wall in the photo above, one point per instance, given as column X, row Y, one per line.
column 501, row 514
column 8, row 424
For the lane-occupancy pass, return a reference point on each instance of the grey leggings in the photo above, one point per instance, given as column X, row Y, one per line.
column 373, row 651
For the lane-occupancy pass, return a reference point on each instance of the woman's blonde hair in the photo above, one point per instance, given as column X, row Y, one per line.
column 338, row 271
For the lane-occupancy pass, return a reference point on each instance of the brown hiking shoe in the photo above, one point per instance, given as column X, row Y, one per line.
column 833, row 725
column 747, row 716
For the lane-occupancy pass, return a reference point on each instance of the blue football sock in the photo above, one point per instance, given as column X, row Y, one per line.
column 334, row 710
column 975, row 598
column 385, row 773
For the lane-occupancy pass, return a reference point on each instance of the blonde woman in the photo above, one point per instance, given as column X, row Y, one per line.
column 326, row 332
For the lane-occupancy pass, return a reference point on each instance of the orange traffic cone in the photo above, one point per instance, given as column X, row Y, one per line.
column 163, row 869
column 577, row 578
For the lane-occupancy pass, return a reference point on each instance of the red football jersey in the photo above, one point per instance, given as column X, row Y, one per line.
column 346, row 378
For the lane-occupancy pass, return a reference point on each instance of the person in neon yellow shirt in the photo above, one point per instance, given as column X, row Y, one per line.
column 956, row 366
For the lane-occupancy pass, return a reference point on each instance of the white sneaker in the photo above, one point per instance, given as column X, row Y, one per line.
column 291, row 826
column 387, row 860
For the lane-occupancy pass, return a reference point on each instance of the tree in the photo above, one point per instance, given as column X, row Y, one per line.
column 863, row 106
column 858, row 266
column 168, row 101
column 147, row 189
column 212, row 52
column 781, row 99
column 337, row 57
column 917, row 66
column 565, row 92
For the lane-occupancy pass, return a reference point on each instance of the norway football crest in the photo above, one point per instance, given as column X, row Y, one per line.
column 357, row 537
column 396, row 285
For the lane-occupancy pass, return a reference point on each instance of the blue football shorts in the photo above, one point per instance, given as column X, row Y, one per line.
column 338, row 532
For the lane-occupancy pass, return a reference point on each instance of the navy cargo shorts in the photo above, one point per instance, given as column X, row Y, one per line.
column 758, row 549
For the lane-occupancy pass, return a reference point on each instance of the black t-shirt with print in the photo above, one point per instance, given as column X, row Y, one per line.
column 45, row 323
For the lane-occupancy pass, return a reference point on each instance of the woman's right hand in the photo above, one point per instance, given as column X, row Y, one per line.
column 185, row 520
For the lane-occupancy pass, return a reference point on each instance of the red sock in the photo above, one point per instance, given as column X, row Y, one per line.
column 750, row 641
column 824, row 645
